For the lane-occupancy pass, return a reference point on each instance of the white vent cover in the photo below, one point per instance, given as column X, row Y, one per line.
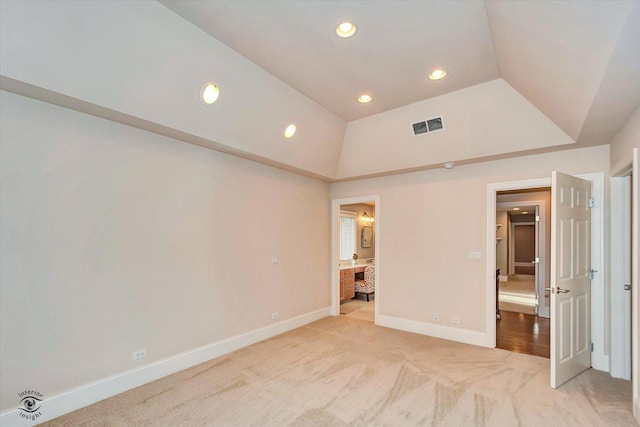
column 428, row 126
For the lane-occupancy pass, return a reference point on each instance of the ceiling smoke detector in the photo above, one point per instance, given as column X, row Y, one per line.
column 428, row 126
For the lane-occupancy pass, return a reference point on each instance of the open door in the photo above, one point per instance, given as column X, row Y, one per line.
column 570, row 277
column 539, row 274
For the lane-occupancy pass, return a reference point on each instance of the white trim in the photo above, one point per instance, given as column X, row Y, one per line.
column 335, row 251
column 79, row 397
column 635, row 334
column 620, row 325
column 445, row 332
column 598, row 359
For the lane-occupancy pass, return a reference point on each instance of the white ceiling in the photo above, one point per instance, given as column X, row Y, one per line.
column 564, row 57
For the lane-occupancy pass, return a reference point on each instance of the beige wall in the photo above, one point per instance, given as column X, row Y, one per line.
column 624, row 143
column 153, row 68
column 359, row 208
column 423, row 255
column 114, row 239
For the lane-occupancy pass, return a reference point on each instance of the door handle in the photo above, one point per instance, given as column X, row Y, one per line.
column 627, row 287
column 558, row 290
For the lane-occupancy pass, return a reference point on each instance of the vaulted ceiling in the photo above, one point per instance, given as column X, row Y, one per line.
column 566, row 57
column 523, row 76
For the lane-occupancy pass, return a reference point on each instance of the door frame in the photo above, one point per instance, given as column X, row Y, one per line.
column 619, row 169
column 599, row 360
column 335, row 250
column 620, row 356
column 512, row 246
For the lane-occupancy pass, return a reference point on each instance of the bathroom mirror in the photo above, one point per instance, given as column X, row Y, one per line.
column 366, row 237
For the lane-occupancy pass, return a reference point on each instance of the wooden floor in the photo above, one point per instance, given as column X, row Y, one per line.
column 523, row 333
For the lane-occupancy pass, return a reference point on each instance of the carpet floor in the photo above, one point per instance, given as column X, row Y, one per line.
column 341, row 371
column 359, row 309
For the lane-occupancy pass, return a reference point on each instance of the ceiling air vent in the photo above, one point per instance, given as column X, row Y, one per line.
column 428, row 126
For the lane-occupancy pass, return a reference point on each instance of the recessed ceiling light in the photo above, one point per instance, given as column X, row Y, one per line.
column 437, row 74
column 449, row 165
column 363, row 99
column 290, row 131
column 210, row 93
column 516, row 209
column 524, row 213
column 346, row 29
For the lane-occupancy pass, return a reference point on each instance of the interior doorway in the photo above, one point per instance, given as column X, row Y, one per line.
column 357, row 260
column 592, row 314
column 355, row 283
column 522, row 265
column 621, row 273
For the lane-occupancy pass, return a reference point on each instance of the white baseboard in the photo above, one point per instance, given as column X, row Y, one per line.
column 438, row 331
column 636, row 410
column 88, row 394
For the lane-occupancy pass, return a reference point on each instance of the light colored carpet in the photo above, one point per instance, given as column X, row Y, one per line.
column 340, row 371
column 359, row 309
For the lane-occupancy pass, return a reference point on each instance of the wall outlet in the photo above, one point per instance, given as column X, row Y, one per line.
column 436, row 317
column 455, row 320
column 275, row 315
column 274, row 259
column 139, row 354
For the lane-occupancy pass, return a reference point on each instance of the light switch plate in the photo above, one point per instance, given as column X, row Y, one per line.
column 475, row 256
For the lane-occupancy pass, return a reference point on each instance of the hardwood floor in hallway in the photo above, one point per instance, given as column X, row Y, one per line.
column 523, row 333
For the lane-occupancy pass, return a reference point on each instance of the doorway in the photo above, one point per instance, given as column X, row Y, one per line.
column 522, row 248
column 357, row 260
column 595, row 304
column 621, row 247
column 364, row 229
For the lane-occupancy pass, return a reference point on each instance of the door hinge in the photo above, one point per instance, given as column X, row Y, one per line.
column 592, row 202
column 537, row 218
column 591, row 347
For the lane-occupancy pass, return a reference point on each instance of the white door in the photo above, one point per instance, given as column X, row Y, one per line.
column 626, row 285
column 570, row 277
column 539, row 282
